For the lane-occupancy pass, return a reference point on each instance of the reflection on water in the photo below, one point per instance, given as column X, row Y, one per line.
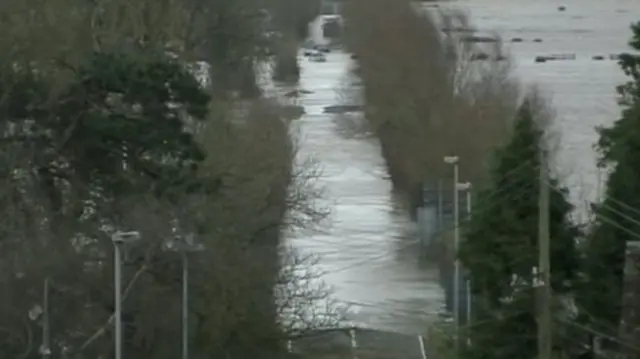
column 369, row 251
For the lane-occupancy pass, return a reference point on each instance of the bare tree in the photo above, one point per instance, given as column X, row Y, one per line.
column 235, row 280
column 429, row 92
column 247, row 192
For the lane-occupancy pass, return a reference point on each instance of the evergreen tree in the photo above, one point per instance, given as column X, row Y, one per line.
column 116, row 130
column 500, row 249
column 619, row 147
column 115, row 107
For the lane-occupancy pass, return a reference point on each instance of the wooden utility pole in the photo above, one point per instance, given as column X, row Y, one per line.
column 544, row 285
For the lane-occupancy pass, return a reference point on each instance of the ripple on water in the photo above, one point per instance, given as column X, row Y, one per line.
column 361, row 249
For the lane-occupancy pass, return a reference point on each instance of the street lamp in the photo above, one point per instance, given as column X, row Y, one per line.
column 453, row 160
column 467, row 188
column 119, row 239
column 184, row 245
column 45, row 348
column 42, row 313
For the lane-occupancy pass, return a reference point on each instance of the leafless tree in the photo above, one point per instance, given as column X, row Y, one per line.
column 252, row 193
column 429, row 91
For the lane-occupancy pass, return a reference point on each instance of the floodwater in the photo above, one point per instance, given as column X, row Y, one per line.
column 370, row 250
column 581, row 91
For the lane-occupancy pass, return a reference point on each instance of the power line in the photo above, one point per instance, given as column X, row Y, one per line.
column 485, row 205
column 617, row 225
column 619, row 213
column 608, row 220
column 590, row 348
column 594, row 320
column 603, row 204
column 624, row 205
column 598, row 333
column 511, row 173
column 611, row 222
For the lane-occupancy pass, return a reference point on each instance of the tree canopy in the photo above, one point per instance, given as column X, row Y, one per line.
column 619, row 147
column 501, row 241
column 105, row 126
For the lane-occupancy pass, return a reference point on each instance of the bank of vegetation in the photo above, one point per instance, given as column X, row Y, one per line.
column 425, row 94
column 106, row 126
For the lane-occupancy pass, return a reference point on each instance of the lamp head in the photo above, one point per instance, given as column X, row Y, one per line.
column 451, row 160
column 125, row 237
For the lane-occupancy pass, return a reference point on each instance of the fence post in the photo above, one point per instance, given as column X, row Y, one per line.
column 440, row 206
column 427, row 215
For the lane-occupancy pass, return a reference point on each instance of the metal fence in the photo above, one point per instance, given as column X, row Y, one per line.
column 436, row 225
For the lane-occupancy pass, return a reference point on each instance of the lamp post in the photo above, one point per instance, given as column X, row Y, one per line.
column 467, row 188
column 453, row 160
column 184, row 245
column 119, row 239
column 45, row 348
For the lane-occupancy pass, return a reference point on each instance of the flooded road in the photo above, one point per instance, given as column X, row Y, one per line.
column 370, row 250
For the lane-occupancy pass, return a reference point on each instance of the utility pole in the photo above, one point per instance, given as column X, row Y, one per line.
column 469, row 208
column 184, row 245
column 544, row 288
column 185, row 305
column 467, row 186
column 440, row 207
column 119, row 239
